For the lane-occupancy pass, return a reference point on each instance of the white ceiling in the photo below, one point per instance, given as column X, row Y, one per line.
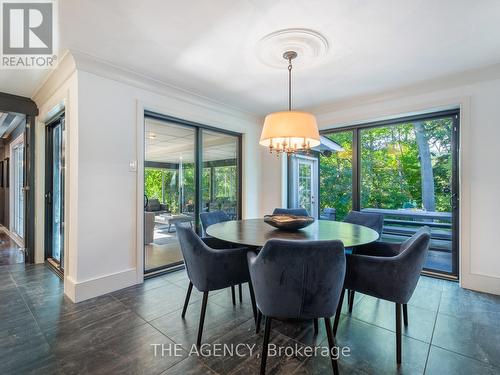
column 171, row 143
column 208, row 47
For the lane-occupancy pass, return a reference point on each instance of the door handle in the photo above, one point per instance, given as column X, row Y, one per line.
column 48, row 197
column 454, row 200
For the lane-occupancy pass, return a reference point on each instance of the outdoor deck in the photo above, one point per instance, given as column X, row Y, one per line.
column 401, row 224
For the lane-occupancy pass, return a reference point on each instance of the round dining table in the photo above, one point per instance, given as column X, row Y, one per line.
column 255, row 232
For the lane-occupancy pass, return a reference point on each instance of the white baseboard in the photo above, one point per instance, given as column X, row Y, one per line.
column 481, row 283
column 82, row 290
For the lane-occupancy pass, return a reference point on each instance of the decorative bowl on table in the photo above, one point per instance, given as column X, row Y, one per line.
column 288, row 222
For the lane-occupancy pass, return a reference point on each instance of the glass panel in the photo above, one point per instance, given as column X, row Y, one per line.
column 220, row 173
column 56, row 193
column 18, row 165
column 336, row 176
column 406, row 174
column 169, row 187
column 305, row 185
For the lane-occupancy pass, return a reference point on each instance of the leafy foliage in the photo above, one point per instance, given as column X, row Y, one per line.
column 153, row 180
column 163, row 184
column 390, row 168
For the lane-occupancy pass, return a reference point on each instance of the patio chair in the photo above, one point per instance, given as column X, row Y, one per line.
column 154, row 205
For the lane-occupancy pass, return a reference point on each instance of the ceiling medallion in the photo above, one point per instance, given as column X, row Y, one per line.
column 309, row 45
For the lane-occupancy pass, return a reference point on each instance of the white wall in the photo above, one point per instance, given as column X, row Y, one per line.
column 59, row 91
column 104, row 118
column 105, row 234
column 479, row 155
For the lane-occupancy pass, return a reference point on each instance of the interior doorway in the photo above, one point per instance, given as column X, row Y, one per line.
column 17, row 179
column 16, row 192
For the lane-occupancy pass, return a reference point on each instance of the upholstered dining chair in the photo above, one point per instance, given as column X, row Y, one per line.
column 387, row 271
column 366, row 219
column 215, row 217
column 212, row 217
column 211, row 269
column 297, row 280
column 291, row 211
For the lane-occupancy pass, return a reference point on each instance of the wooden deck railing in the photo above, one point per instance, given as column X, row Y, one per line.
column 400, row 224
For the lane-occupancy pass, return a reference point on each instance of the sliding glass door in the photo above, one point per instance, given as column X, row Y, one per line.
column 188, row 169
column 405, row 170
column 220, row 177
column 336, row 175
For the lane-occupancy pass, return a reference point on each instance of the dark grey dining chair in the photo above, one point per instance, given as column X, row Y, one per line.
column 388, row 271
column 297, row 280
column 329, row 213
column 211, row 269
column 291, row 211
column 366, row 219
column 215, row 217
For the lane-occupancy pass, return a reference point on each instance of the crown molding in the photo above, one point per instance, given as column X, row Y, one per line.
column 55, row 79
column 73, row 60
column 90, row 64
column 487, row 73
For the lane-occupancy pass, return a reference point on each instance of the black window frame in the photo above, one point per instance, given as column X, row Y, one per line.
column 198, row 145
column 356, row 172
column 57, row 267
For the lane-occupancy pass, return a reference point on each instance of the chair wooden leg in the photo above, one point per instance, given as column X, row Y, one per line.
column 202, row 317
column 233, row 295
column 315, row 326
column 351, row 300
column 331, row 345
column 241, row 293
column 398, row 333
column 252, row 299
column 257, row 324
column 186, row 301
column 267, row 331
column 337, row 314
column 405, row 314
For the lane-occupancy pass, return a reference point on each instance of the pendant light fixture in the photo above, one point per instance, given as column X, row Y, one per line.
column 289, row 131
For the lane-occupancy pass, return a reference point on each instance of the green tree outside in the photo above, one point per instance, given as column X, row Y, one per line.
column 391, row 168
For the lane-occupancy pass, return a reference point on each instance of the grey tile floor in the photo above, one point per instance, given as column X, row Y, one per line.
column 451, row 331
